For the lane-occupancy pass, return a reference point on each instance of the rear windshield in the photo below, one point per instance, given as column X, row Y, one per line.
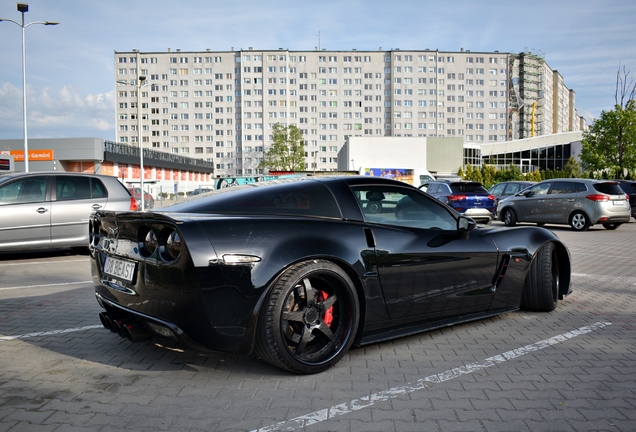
column 306, row 198
column 467, row 187
column 610, row 188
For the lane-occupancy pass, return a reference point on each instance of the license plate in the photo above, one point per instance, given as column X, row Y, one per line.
column 620, row 203
column 119, row 269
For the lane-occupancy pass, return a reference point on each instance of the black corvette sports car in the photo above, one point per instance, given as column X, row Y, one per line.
column 299, row 271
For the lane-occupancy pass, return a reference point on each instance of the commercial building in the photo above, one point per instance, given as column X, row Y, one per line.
column 443, row 156
column 163, row 172
column 221, row 106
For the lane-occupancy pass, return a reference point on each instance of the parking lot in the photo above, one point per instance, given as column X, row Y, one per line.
column 570, row 370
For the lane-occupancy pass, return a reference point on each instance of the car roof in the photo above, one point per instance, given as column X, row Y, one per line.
column 580, row 180
column 39, row 173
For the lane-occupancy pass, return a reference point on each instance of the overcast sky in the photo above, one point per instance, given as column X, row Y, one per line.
column 70, row 67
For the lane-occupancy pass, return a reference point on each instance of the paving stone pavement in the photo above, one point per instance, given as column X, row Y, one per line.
column 454, row 379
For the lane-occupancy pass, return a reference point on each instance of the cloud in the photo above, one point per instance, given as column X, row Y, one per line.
column 64, row 112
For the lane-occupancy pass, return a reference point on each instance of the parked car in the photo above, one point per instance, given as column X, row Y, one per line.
column 298, row 271
column 629, row 187
column 149, row 201
column 468, row 198
column 579, row 203
column 200, row 191
column 508, row 188
column 43, row 210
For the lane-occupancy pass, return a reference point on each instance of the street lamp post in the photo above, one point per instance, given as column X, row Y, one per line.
column 141, row 81
column 23, row 7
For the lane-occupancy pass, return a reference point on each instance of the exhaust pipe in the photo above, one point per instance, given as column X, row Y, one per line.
column 103, row 317
column 120, row 324
column 135, row 332
column 109, row 320
column 124, row 326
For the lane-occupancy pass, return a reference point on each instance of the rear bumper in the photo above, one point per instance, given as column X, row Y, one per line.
column 479, row 213
column 613, row 219
column 223, row 339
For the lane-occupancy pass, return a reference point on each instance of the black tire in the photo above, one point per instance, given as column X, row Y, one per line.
column 309, row 318
column 611, row 226
column 374, row 207
column 509, row 217
column 579, row 221
column 541, row 288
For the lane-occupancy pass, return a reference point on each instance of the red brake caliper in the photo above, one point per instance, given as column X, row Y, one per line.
column 328, row 315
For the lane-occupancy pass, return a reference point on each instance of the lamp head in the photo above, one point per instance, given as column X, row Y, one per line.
column 23, row 7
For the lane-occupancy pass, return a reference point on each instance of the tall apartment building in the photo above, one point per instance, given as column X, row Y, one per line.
column 221, row 106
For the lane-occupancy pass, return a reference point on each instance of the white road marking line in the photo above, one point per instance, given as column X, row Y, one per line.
column 49, row 333
column 617, row 279
column 46, row 286
column 421, row 384
column 41, row 262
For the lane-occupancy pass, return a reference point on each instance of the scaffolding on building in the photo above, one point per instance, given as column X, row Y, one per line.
column 526, row 112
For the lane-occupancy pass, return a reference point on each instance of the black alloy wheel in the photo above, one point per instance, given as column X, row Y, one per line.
column 309, row 319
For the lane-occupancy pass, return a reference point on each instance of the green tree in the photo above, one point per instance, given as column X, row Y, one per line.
column 488, row 173
column 468, row 174
column 287, row 153
column 610, row 142
column 572, row 168
column 512, row 173
column 460, row 173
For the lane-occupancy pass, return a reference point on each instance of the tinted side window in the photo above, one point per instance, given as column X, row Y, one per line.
column 498, row 190
column 540, row 189
column 98, row 190
column 31, row 189
column 390, row 205
column 72, row 188
column 560, row 187
column 513, row 188
column 610, row 188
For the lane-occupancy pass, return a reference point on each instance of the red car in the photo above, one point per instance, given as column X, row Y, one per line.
column 149, row 201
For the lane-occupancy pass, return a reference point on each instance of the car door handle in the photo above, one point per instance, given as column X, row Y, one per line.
column 96, row 206
column 42, row 210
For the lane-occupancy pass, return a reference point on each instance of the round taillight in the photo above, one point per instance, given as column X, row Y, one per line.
column 148, row 242
column 173, row 246
column 151, row 242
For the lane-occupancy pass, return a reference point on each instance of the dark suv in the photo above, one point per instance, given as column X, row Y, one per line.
column 629, row 186
column 468, row 198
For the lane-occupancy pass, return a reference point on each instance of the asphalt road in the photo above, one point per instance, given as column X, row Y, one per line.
column 570, row 370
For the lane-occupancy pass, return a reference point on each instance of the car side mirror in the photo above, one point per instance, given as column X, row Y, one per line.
column 529, row 194
column 465, row 223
